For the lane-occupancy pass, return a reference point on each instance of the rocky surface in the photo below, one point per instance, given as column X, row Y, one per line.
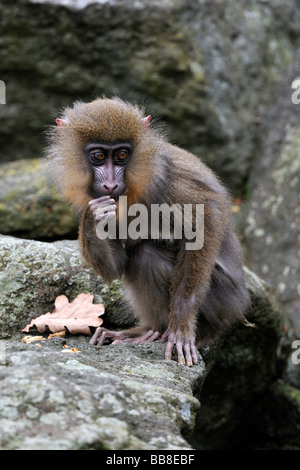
column 117, row 397
column 242, row 365
column 33, row 274
column 272, row 217
column 205, row 69
column 209, row 70
column 128, row 396
column 108, row 398
column 29, row 204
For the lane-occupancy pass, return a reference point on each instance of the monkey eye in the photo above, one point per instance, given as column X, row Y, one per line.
column 121, row 155
column 97, row 155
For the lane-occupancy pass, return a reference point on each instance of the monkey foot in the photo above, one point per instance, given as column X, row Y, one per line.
column 148, row 337
column 185, row 345
column 118, row 337
column 101, row 334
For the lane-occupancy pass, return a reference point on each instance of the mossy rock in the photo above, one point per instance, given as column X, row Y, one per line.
column 29, row 206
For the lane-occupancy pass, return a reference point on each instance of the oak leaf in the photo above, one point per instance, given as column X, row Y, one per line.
column 76, row 317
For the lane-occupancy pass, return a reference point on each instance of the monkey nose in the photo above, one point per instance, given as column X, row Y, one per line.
column 110, row 188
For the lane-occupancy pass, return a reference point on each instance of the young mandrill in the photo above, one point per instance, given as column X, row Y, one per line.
column 105, row 150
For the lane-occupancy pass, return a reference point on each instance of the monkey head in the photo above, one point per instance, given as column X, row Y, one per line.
column 93, row 146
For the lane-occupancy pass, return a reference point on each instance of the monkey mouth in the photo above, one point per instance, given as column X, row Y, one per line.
column 96, row 194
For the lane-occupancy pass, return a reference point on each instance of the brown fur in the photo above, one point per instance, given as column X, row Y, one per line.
column 105, row 120
column 197, row 293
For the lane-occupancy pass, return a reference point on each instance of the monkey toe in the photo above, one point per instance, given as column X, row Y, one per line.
column 148, row 337
column 101, row 334
column 95, row 336
column 118, row 337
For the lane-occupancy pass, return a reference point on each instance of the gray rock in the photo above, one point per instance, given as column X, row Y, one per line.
column 30, row 206
column 33, row 274
column 272, row 218
column 124, row 396
column 205, row 69
column 243, row 369
column 127, row 396
column 110, row 398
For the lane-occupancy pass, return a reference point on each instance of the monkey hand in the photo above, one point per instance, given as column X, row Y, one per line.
column 185, row 345
column 103, row 208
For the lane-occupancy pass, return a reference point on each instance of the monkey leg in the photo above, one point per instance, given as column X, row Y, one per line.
column 225, row 302
column 185, row 346
column 138, row 335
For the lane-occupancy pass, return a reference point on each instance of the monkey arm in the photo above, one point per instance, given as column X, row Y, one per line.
column 107, row 257
column 191, row 280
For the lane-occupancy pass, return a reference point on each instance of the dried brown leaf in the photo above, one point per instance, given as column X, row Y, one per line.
column 32, row 339
column 60, row 334
column 76, row 317
column 72, row 350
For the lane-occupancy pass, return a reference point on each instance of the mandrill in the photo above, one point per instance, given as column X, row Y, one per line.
column 106, row 151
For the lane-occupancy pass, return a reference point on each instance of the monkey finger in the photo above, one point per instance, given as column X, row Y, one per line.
column 108, row 215
column 99, row 199
column 194, row 351
column 181, row 358
column 188, row 355
column 169, row 347
column 106, row 202
column 103, row 218
column 103, row 208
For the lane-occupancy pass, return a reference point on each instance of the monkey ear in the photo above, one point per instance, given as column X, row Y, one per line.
column 146, row 122
column 61, row 122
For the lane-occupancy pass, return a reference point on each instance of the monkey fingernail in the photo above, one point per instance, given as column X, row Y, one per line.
column 95, row 336
column 181, row 360
column 194, row 356
column 168, row 355
column 188, row 358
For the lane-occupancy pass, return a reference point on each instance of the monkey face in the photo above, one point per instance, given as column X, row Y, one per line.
column 108, row 162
